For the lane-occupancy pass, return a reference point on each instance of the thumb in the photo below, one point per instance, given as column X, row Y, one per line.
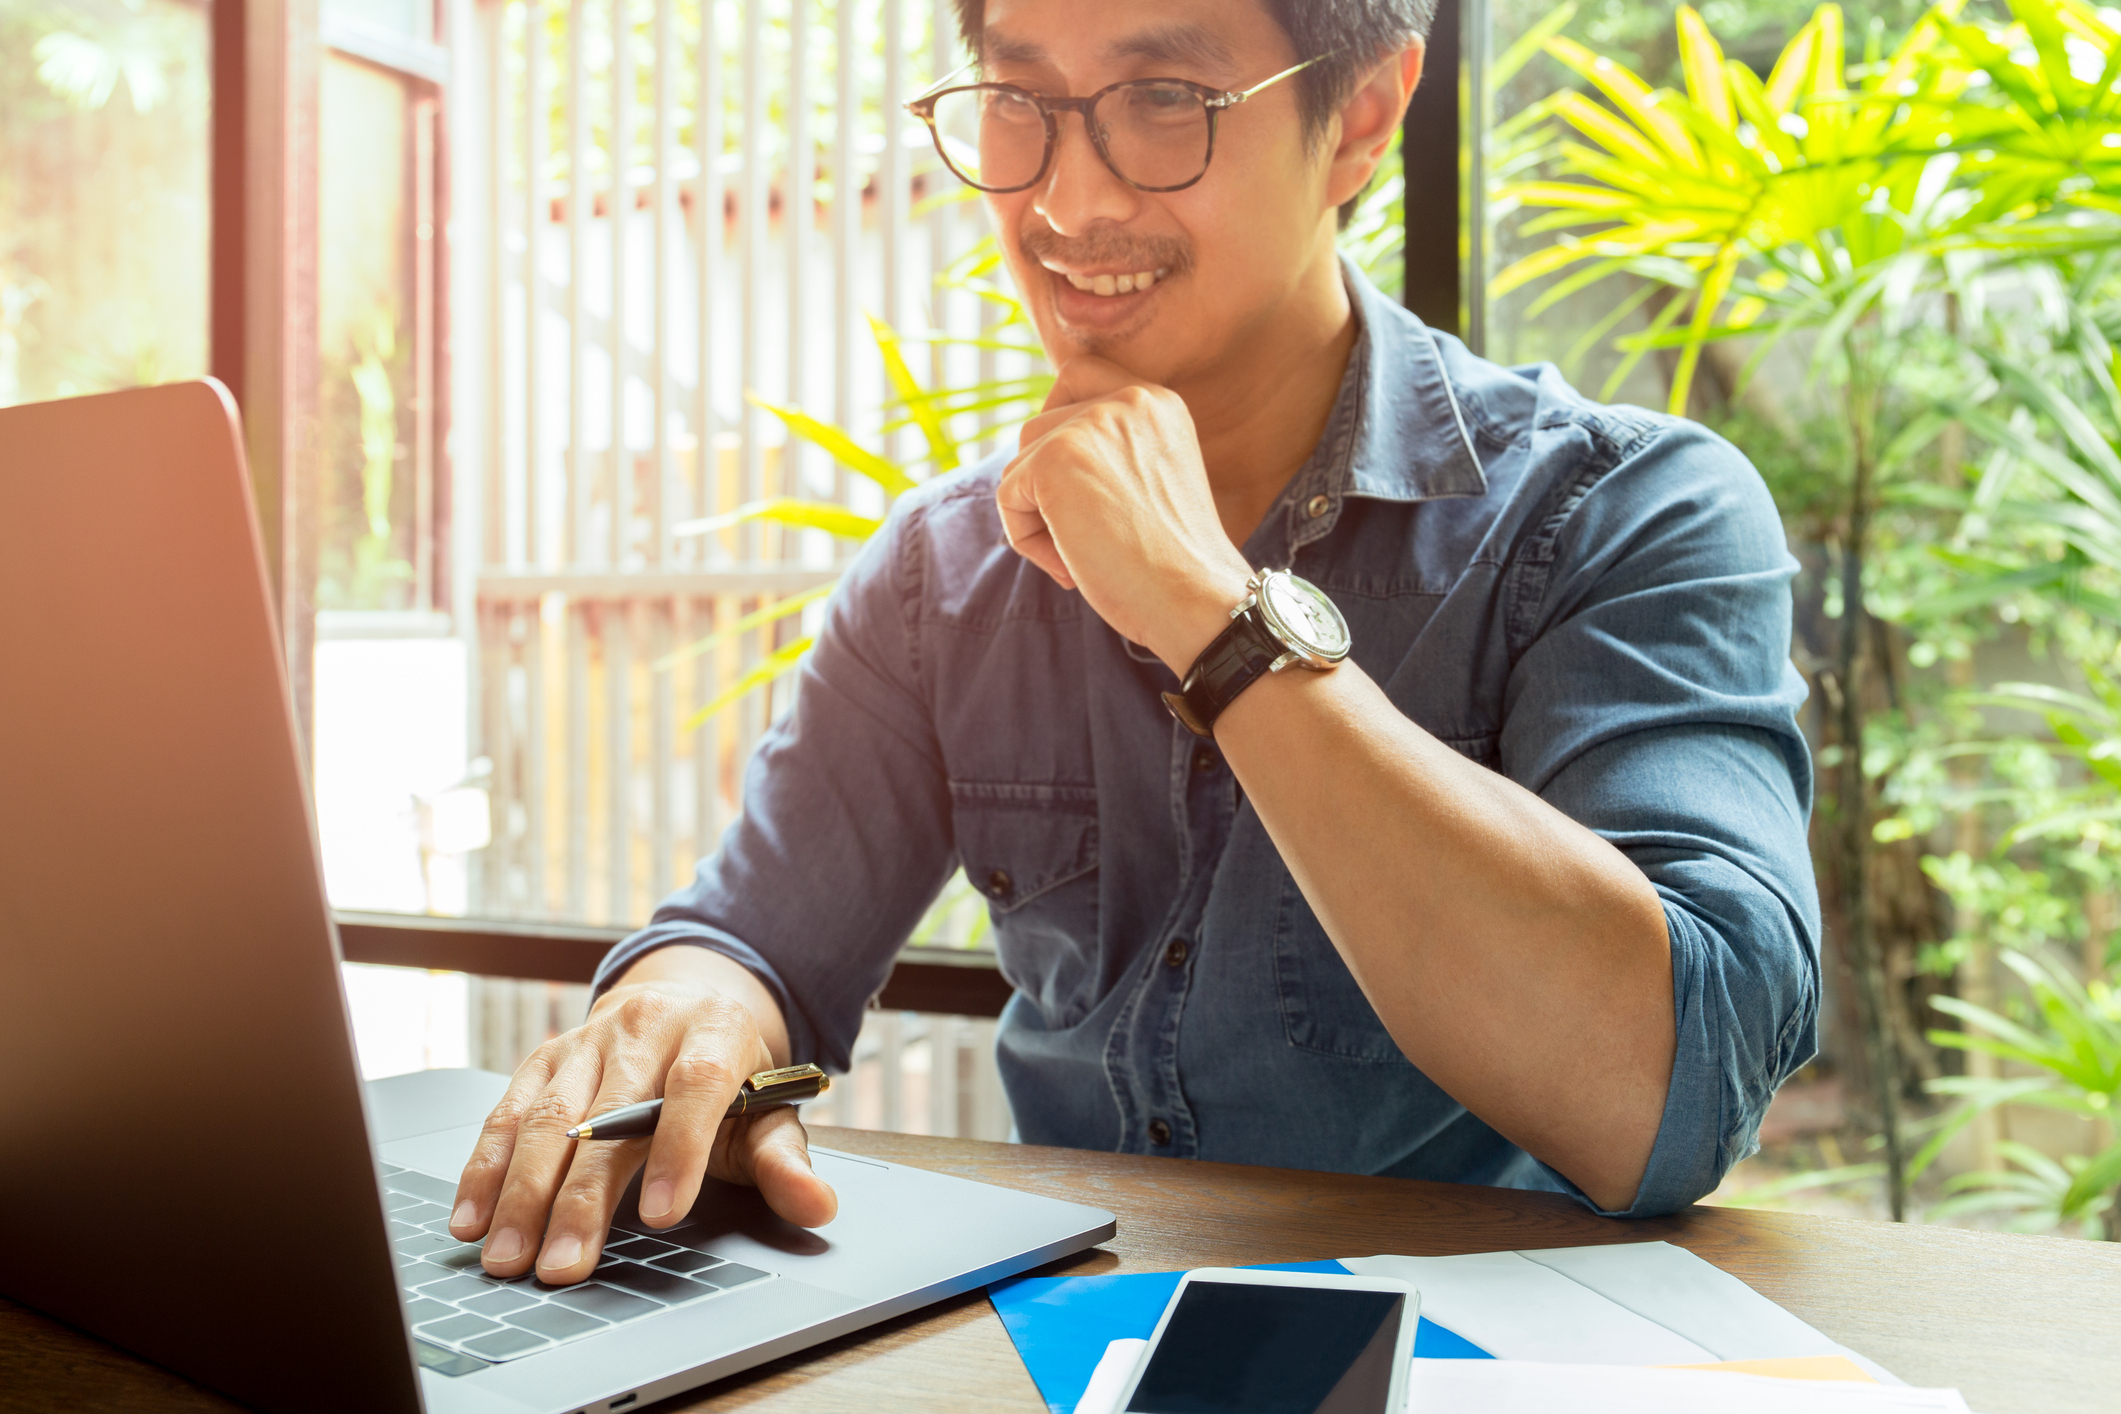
column 1084, row 377
column 774, row 1154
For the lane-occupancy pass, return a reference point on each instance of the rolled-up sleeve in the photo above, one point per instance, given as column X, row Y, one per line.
column 845, row 834
column 1654, row 702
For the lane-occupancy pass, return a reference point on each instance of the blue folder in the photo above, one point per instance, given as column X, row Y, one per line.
column 1061, row 1325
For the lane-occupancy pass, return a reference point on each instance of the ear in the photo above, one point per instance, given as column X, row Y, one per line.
column 1369, row 117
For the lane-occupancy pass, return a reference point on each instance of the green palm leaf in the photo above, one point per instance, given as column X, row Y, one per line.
column 918, row 401
column 781, row 662
column 772, row 613
column 827, row 516
column 844, row 449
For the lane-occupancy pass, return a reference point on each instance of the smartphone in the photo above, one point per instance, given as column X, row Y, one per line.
column 1241, row 1341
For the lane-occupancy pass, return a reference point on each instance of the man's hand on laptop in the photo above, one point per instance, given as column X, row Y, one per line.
column 683, row 1023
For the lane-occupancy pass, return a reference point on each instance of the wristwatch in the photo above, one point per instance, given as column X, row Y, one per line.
column 1282, row 622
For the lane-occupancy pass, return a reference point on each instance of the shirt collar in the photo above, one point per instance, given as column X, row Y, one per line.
column 1396, row 433
column 1414, row 443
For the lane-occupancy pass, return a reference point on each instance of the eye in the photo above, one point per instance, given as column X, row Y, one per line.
column 1005, row 105
column 1165, row 105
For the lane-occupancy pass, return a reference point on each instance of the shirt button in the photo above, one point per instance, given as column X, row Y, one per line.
column 999, row 884
column 1159, row 1133
column 1203, row 760
column 1317, row 506
column 1175, row 955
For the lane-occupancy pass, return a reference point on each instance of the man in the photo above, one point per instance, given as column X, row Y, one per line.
column 1516, row 894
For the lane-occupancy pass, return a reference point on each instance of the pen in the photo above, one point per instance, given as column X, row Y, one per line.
column 769, row 1089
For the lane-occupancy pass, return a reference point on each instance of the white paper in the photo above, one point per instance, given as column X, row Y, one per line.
column 1528, row 1387
column 1518, row 1309
column 1683, row 1293
column 1536, row 1387
column 1628, row 1303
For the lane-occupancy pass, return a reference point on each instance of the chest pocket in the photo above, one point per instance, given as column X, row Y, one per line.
column 1032, row 850
column 1322, row 1008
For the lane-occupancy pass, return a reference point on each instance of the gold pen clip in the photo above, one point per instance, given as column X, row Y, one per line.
column 768, row 1085
column 787, row 1075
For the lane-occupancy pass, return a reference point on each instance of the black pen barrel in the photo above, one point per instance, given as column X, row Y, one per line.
column 635, row 1121
column 629, row 1122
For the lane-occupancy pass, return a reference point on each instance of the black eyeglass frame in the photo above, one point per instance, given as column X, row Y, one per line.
column 1214, row 100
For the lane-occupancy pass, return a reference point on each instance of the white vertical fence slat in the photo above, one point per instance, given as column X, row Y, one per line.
column 662, row 287
column 535, row 220
column 680, row 198
column 798, row 215
column 575, row 544
column 751, row 213
column 618, row 344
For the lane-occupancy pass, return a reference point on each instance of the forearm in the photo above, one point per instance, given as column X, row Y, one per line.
column 1518, row 959
column 708, row 970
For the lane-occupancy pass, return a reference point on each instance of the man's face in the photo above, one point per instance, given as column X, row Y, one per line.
column 1226, row 253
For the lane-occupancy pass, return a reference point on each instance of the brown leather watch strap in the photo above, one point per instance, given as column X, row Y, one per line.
column 1241, row 655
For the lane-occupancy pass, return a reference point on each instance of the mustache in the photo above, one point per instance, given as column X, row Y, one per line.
column 1109, row 247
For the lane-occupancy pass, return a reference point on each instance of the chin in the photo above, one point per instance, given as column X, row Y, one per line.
column 1133, row 346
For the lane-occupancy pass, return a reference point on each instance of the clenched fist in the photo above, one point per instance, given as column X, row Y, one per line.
column 1108, row 495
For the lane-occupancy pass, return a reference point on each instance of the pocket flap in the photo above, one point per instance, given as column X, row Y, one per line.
column 1018, row 841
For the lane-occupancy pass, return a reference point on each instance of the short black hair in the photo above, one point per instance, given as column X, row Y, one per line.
column 1354, row 33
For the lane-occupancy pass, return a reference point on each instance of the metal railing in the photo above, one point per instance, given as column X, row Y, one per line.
column 913, row 1072
column 923, row 1062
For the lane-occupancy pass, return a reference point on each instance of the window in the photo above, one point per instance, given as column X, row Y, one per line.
column 105, row 118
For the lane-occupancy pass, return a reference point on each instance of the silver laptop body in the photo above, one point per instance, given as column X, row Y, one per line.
column 166, row 954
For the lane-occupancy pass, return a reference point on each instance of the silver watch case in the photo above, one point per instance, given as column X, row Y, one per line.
column 1296, row 614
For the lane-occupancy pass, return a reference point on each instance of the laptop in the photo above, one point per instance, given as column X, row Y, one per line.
column 167, row 957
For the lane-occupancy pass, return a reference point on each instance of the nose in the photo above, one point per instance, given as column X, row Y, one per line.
column 1079, row 189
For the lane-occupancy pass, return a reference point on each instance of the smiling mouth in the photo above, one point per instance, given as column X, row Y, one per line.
column 1113, row 284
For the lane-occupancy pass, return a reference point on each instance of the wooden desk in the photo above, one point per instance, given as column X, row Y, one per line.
column 2018, row 1323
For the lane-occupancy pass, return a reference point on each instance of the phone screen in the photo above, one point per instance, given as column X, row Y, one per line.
column 1243, row 1349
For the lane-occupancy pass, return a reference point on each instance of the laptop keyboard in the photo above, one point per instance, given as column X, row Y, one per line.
column 453, row 1304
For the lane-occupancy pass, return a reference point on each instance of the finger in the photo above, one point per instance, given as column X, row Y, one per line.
column 542, row 1151
column 581, row 1211
column 716, row 1055
column 1024, row 523
column 771, row 1152
column 636, row 1043
column 1035, row 543
column 483, row 1175
column 1084, row 377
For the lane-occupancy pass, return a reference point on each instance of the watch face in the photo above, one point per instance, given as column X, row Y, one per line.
column 1305, row 615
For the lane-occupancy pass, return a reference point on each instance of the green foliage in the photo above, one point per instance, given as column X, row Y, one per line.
column 364, row 564
column 2054, row 480
column 1375, row 238
column 2087, row 728
column 1828, row 191
column 2055, row 135
column 1928, row 229
column 85, row 53
column 2071, row 1042
column 1772, row 1192
column 2017, row 907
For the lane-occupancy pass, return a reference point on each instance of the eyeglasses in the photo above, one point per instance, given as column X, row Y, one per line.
column 1155, row 134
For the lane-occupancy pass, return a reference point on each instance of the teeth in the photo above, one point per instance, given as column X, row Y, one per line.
column 1115, row 284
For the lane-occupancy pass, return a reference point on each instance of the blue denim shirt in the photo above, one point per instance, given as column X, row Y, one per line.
column 1592, row 600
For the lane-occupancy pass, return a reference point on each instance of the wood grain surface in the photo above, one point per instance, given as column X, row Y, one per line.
column 2020, row 1324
